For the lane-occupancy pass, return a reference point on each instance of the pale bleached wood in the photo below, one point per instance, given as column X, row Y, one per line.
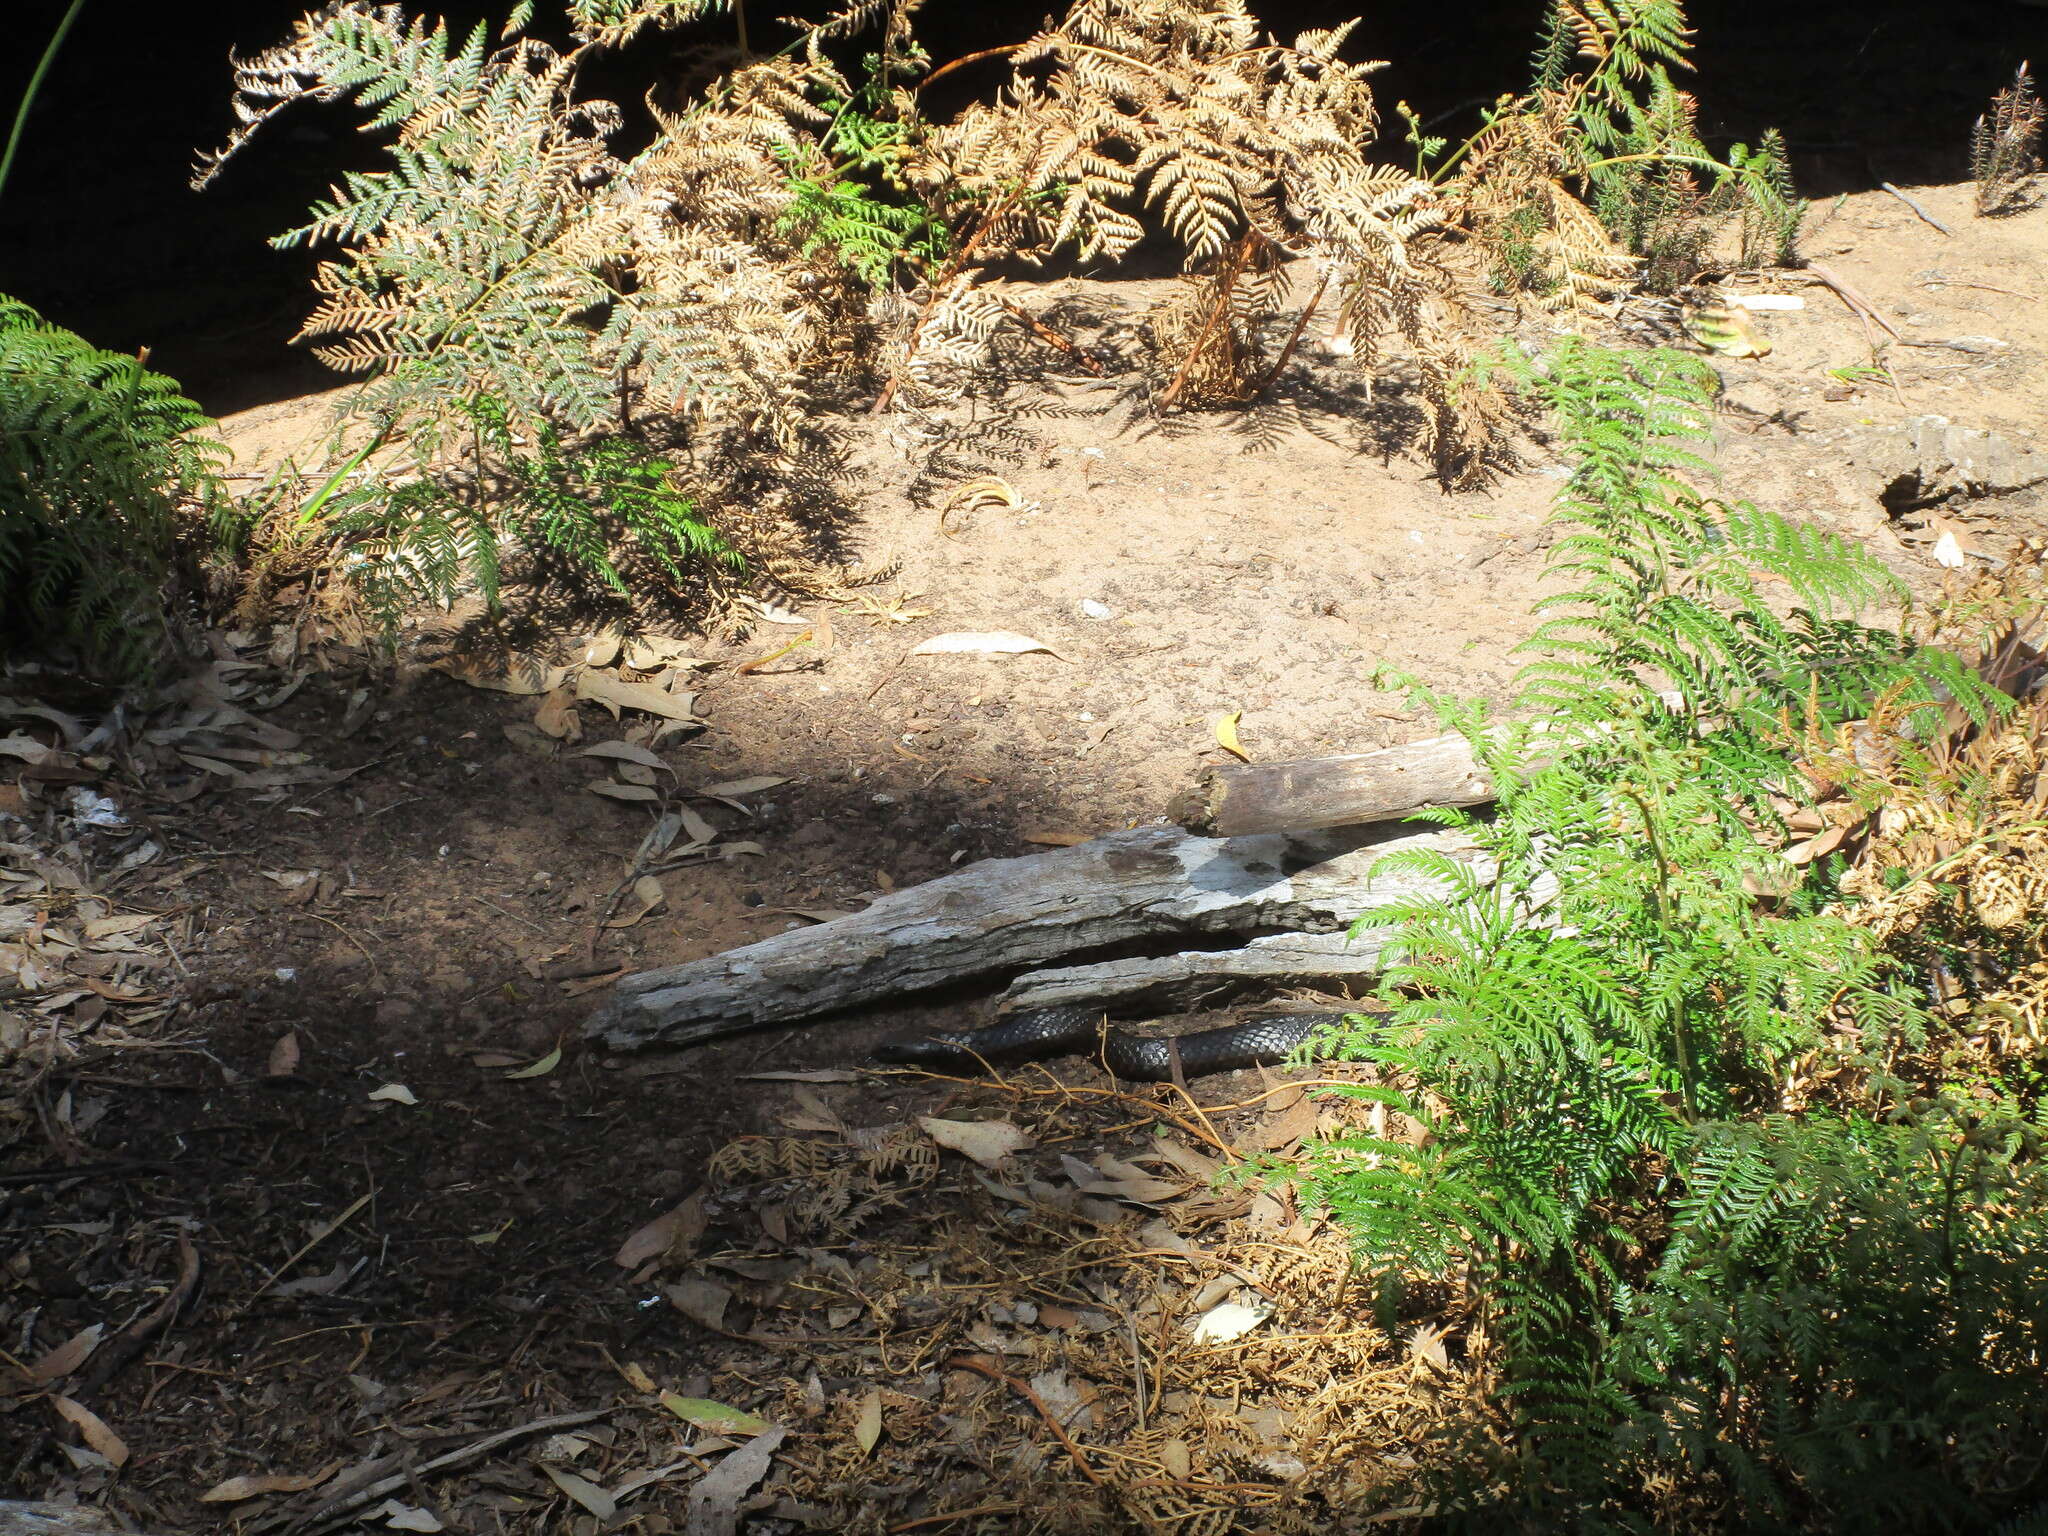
column 17, row 1519
column 1006, row 915
column 1198, row 978
column 1242, row 799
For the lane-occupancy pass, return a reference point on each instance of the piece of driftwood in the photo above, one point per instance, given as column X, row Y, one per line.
column 1007, row 915
column 59, row 1520
column 1241, row 799
column 1198, row 978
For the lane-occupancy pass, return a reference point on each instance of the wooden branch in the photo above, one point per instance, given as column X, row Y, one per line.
column 18, row 1519
column 1238, row 799
column 1004, row 915
column 1198, row 978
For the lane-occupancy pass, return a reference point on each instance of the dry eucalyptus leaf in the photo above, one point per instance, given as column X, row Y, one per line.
column 732, row 787
column 988, row 1142
column 715, row 1500
column 626, row 752
column 994, row 642
column 702, row 1301
column 557, row 716
column 867, row 1429
column 808, row 1075
column 675, row 1232
column 250, row 1484
column 68, row 1356
column 284, row 1056
column 776, row 613
column 611, row 791
column 395, row 1093
column 616, row 694
column 519, row 674
column 601, row 649
column 650, row 653
column 586, row 1493
column 111, row 927
column 405, row 1517
column 92, row 1429
column 1058, row 839
column 540, row 1068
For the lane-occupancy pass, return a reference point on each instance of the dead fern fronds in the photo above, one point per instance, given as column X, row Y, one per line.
column 1252, row 154
column 1596, row 176
column 2005, row 149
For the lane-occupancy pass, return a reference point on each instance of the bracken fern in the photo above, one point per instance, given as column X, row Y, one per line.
column 96, row 454
column 1693, row 1300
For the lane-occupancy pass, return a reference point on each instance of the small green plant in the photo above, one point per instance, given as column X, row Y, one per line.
column 97, row 453
column 603, row 507
column 1605, row 127
column 2005, row 149
column 1703, row 1310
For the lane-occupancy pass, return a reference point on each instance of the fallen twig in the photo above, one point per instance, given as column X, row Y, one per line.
column 113, row 1356
column 1023, row 1390
column 336, row 1509
column 1924, row 216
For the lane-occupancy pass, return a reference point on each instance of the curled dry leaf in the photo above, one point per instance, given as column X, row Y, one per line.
column 92, row 1429
column 249, row 1485
column 673, row 1233
column 284, row 1056
column 557, row 716
column 1226, row 735
column 994, row 642
column 988, row 1142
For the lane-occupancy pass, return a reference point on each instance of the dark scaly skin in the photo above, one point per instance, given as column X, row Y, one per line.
column 1047, row 1032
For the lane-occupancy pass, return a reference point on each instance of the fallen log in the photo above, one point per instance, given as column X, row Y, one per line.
column 1199, row 978
column 1007, row 915
column 1241, row 799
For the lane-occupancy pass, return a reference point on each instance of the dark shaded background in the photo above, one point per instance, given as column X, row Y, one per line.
column 99, row 230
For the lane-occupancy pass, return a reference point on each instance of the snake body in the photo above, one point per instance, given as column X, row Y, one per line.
column 1042, row 1032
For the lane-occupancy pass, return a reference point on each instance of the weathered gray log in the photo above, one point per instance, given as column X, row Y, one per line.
column 1006, row 915
column 59, row 1520
column 1241, row 799
column 1197, row 978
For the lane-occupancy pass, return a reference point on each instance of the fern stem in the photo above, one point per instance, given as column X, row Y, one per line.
column 28, row 96
column 1681, row 1040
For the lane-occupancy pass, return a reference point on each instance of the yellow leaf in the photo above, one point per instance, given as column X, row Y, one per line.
column 1226, row 735
column 540, row 1068
column 868, row 1428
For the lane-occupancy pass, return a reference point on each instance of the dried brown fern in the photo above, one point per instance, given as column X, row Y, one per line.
column 2005, row 149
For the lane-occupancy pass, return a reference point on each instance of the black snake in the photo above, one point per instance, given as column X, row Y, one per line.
column 1042, row 1032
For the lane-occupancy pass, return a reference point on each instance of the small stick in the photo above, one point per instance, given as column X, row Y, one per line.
column 1924, row 216
column 1051, row 337
column 1023, row 1390
column 1293, row 339
column 305, row 1248
column 1857, row 304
